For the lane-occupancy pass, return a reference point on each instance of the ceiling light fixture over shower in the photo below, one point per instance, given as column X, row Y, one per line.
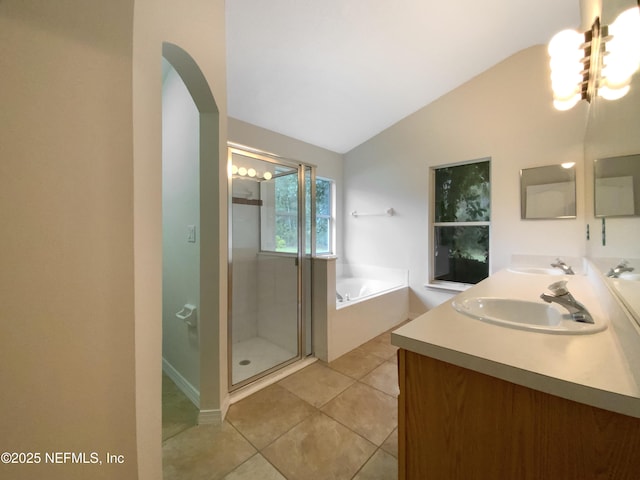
column 239, row 172
column 599, row 62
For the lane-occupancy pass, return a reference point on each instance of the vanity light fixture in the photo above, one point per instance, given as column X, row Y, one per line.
column 599, row 62
column 250, row 173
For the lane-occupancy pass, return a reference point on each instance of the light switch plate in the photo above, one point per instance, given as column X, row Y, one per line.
column 191, row 233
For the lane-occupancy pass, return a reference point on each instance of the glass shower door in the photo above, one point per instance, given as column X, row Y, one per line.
column 264, row 266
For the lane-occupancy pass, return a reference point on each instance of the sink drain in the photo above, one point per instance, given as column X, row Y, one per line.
column 245, row 362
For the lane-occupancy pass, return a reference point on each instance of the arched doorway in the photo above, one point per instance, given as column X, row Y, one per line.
column 191, row 236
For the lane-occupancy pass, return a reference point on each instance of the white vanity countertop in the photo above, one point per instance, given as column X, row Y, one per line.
column 600, row 369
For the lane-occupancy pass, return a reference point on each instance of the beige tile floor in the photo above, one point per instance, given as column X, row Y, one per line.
column 327, row 421
column 178, row 413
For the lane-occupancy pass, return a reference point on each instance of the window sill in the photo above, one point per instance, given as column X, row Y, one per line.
column 448, row 286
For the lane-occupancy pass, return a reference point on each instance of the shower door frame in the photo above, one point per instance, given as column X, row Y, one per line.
column 303, row 303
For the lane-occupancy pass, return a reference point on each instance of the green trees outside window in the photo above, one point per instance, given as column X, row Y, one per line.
column 286, row 201
column 461, row 222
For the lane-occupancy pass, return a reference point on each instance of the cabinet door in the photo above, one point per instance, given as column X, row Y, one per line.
column 460, row 424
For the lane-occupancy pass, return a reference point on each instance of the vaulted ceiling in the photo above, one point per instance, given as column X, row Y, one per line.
column 334, row 73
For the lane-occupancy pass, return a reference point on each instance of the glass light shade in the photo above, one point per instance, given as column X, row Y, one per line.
column 242, row 171
column 564, row 64
column 565, row 92
column 267, row 175
column 563, row 105
column 565, row 84
column 626, row 45
column 625, row 41
column 618, row 69
column 617, row 75
column 627, row 25
column 566, row 67
column 565, row 44
column 613, row 93
column 234, row 169
column 251, row 172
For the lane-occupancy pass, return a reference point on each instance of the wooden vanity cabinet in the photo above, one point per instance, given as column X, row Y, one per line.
column 455, row 423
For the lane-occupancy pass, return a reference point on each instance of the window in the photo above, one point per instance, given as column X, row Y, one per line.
column 324, row 216
column 286, row 214
column 462, row 214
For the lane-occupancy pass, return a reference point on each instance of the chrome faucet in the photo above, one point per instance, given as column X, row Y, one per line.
column 622, row 267
column 339, row 297
column 563, row 266
column 562, row 297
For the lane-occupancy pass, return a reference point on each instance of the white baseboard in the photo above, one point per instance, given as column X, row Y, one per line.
column 214, row 416
column 210, row 417
column 183, row 384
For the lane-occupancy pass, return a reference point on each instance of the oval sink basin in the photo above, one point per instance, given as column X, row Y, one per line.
column 523, row 315
column 536, row 270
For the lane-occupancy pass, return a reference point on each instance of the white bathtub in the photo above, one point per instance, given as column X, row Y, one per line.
column 374, row 300
column 351, row 290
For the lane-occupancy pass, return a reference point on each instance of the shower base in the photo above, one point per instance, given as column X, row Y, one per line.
column 255, row 355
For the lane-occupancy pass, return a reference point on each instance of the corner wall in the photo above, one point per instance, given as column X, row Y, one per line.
column 67, row 353
column 197, row 27
column 504, row 113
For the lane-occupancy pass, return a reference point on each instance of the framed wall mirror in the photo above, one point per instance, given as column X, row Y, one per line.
column 617, row 186
column 548, row 192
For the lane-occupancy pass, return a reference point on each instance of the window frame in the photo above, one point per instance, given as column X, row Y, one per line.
column 449, row 284
column 331, row 216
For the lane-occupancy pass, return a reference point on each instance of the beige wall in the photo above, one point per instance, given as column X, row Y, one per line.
column 80, row 206
column 197, row 27
column 506, row 114
column 66, row 251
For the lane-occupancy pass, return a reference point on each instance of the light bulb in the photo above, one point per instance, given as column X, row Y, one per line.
column 234, row 169
column 565, row 44
column 627, row 26
column 623, row 49
column 251, row 172
column 242, row 171
column 565, row 86
column 566, row 67
column 267, row 175
column 613, row 93
column 618, row 68
column 563, row 105
column 567, row 165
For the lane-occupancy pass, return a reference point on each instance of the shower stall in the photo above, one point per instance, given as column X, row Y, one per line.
column 271, row 243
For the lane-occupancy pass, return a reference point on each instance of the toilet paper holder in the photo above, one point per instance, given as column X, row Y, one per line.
column 188, row 315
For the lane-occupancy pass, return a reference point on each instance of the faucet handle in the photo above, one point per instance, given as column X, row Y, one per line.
column 558, row 288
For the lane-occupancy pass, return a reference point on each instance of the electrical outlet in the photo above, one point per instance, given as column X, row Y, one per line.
column 191, row 233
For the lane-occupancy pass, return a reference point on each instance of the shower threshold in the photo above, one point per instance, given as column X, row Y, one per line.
column 270, row 379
